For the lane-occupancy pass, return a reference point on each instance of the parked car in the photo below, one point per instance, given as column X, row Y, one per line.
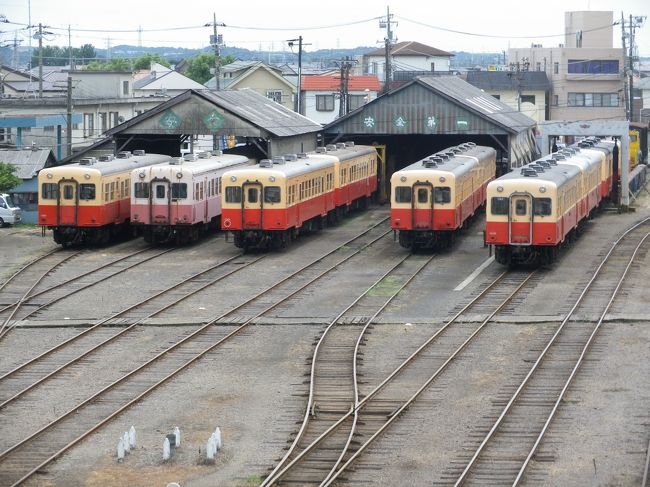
column 9, row 213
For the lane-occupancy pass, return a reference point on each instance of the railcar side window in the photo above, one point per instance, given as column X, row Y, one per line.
column 251, row 195
column 48, row 191
column 87, row 192
column 179, row 191
column 520, row 207
column 272, row 194
column 160, row 191
column 233, row 194
column 542, row 206
column 442, row 194
column 499, row 205
column 141, row 190
column 403, row 194
column 423, row 195
column 68, row 192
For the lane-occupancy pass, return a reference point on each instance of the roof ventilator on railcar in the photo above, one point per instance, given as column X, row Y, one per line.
column 216, row 152
column 278, row 160
column 544, row 164
column 429, row 162
column 443, row 155
column 438, row 160
column 139, row 152
column 206, row 154
column 290, row 157
column 456, row 150
column 125, row 154
column 301, row 155
column 349, row 144
column 266, row 163
column 537, row 167
column 87, row 161
column 558, row 157
column 330, row 147
column 190, row 157
column 321, row 150
column 528, row 172
column 340, row 145
column 106, row 157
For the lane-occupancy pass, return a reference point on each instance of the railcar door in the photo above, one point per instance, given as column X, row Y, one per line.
column 160, row 201
column 422, row 205
column 67, row 202
column 252, row 206
column 520, row 219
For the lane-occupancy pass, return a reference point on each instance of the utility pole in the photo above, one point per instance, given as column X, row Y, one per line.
column 633, row 23
column 216, row 40
column 300, row 44
column 388, row 41
column 68, row 133
column 344, row 96
column 625, row 78
column 40, row 60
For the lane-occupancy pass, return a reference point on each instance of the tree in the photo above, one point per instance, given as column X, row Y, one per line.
column 198, row 67
column 113, row 64
column 7, row 178
column 144, row 61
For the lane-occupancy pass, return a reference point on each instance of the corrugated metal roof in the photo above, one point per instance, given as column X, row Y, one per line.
column 478, row 101
column 326, row 83
column 27, row 161
column 509, row 80
column 262, row 111
column 410, row 48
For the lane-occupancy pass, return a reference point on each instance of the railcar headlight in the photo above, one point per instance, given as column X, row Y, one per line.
column 233, row 178
column 179, row 175
column 542, row 189
column 87, row 176
column 141, row 174
column 272, row 178
column 403, row 179
column 442, row 179
column 49, row 175
column 499, row 189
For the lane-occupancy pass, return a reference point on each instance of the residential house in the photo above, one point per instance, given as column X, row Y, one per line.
column 409, row 59
column 162, row 81
column 260, row 77
column 27, row 163
column 585, row 71
column 321, row 95
column 525, row 91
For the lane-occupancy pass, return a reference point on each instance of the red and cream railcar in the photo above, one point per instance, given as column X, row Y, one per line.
column 270, row 204
column 589, row 181
column 532, row 211
column 178, row 201
column 89, row 202
column 433, row 198
column 604, row 151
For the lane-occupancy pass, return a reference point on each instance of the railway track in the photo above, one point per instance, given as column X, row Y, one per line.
column 334, row 434
column 26, row 457
column 37, row 301
column 506, row 453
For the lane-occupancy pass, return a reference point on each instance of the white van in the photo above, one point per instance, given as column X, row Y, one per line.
column 9, row 213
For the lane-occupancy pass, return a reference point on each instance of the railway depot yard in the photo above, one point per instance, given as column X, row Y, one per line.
column 254, row 385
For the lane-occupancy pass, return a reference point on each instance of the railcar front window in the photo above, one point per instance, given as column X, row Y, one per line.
column 272, row 194
column 403, row 194
column 141, row 190
column 160, row 191
column 442, row 194
column 68, row 192
column 233, row 194
column 179, row 191
column 542, row 206
column 423, row 195
column 520, row 207
column 49, row 191
column 87, row 192
column 499, row 205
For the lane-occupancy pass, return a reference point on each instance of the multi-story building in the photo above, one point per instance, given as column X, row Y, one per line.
column 586, row 72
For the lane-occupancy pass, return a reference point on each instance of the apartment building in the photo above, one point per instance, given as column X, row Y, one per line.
column 585, row 72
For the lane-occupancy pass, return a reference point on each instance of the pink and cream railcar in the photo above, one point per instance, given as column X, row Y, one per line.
column 89, row 202
column 433, row 198
column 532, row 211
column 178, row 201
column 270, row 204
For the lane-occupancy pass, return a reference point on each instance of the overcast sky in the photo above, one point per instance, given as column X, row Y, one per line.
column 482, row 25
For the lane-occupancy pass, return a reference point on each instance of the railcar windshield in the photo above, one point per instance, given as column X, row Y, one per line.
column 403, row 194
column 141, row 190
column 542, row 206
column 442, row 194
column 499, row 205
column 87, row 192
column 272, row 194
column 49, row 191
column 233, row 194
column 179, row 191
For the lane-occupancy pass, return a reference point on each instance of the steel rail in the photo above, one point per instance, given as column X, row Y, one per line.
column 516, row 394
column 190, row 361
column 29, row 264
column 122, row 331
column 428, row 382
